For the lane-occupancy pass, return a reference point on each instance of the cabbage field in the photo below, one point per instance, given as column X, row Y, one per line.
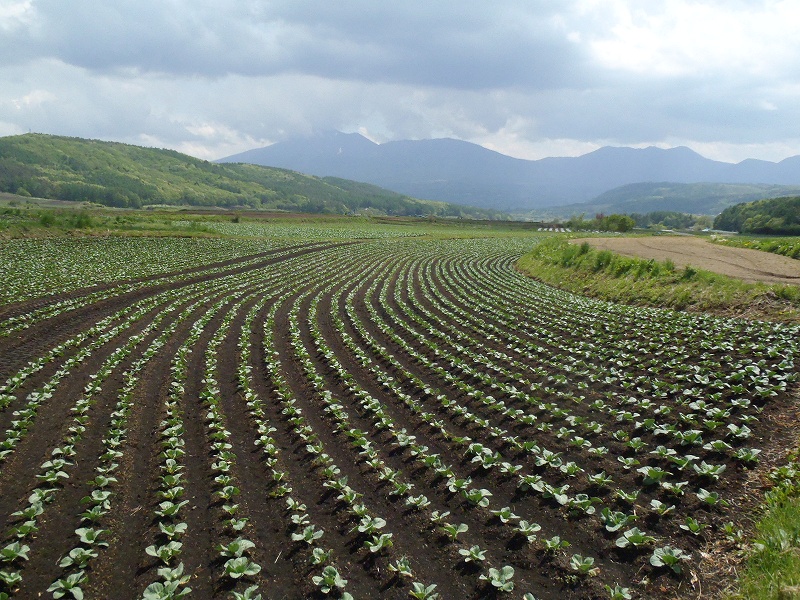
column 323, row 415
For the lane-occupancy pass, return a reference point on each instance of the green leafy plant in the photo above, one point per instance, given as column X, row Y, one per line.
column 401, row 566
column 453, row 531
column 166, row 552
column 615, row 520
column 618, row 592
column 241, row 566
column 329, row 580
column 165, row 590
column 478, row 497
column 236, row 548
column 634, row 537
column 309, row 535
column 473, row 554
column 711, row 498
column 505, row 514
column 422, row 592
column 71, row 584
column 667, row 556
column 529, row 530
column 502, row 579
column 78, row 557
column 320, row 556
column 250, row 593
column 693, row 526
column 661, row 508
column 13, row 552
column 379, row 542
column 555, row 543
column 584, row 565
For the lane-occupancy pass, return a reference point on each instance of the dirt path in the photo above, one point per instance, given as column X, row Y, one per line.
column 749, row 265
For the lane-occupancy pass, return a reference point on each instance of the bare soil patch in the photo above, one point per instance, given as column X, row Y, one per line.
column 742, row 263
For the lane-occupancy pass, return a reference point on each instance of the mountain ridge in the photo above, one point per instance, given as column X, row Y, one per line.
column 462, row 172
column 125, row 175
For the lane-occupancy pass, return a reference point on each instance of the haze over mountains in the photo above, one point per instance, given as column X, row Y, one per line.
column 465, row 173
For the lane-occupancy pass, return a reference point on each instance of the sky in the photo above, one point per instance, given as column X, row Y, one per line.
column 528, row 78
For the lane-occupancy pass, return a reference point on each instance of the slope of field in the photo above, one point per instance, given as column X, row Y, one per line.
column 742, row 263
column 378, row 417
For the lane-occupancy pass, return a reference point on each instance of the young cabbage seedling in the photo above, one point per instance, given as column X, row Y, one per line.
column 473, row 554
column 583, row 565
column 71, row 584
column 241, row 566
column 667, row 556
column 500, row 578
column 329, row 580
column 422, row 592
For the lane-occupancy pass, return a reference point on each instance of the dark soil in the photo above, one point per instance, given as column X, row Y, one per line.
column 445, row 300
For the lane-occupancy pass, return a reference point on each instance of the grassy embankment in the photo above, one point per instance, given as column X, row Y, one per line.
column 609, row 276
column 785, row 246
column 771, row 568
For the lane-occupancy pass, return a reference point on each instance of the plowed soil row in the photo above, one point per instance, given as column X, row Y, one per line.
column 337, row 331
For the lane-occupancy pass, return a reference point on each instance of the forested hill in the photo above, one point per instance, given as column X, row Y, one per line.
column 780, row 216
column 123, row 175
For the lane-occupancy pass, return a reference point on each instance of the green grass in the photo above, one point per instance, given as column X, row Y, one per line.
column 47, row 220
column 773, row 562
column 610, row 276
column 785, row 246
column 32, row 217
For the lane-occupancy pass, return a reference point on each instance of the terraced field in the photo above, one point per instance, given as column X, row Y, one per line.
column 385, row 418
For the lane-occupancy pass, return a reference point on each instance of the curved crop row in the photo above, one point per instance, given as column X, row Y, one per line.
column 411, row 418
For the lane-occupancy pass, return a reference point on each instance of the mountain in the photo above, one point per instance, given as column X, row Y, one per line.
column 462, row 172
column 123, row 175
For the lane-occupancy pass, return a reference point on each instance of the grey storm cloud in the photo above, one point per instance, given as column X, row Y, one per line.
column 528, row 78
column 453, row 44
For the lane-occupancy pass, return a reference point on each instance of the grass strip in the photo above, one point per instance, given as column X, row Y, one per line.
column 772, row 567
column 609, row 276
column 785, row 246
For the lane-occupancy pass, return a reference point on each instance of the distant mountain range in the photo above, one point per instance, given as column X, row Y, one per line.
column 465, row 173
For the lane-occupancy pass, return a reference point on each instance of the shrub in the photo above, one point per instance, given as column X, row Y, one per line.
column 603, row 259
column 47, row 219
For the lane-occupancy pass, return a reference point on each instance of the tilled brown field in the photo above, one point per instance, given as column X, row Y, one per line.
column 742, row 263
column 373, row 419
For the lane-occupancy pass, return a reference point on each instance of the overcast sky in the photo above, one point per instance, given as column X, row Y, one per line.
column 529, row 78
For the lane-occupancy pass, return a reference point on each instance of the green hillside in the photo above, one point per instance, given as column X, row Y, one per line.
column 127, row 176
column 693, row 198
column 778, row 216
column 690, row 198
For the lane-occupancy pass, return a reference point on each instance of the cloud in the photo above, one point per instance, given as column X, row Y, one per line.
column 524, row 78
column 684, row 38
column 455, row 45
column 15, row 14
